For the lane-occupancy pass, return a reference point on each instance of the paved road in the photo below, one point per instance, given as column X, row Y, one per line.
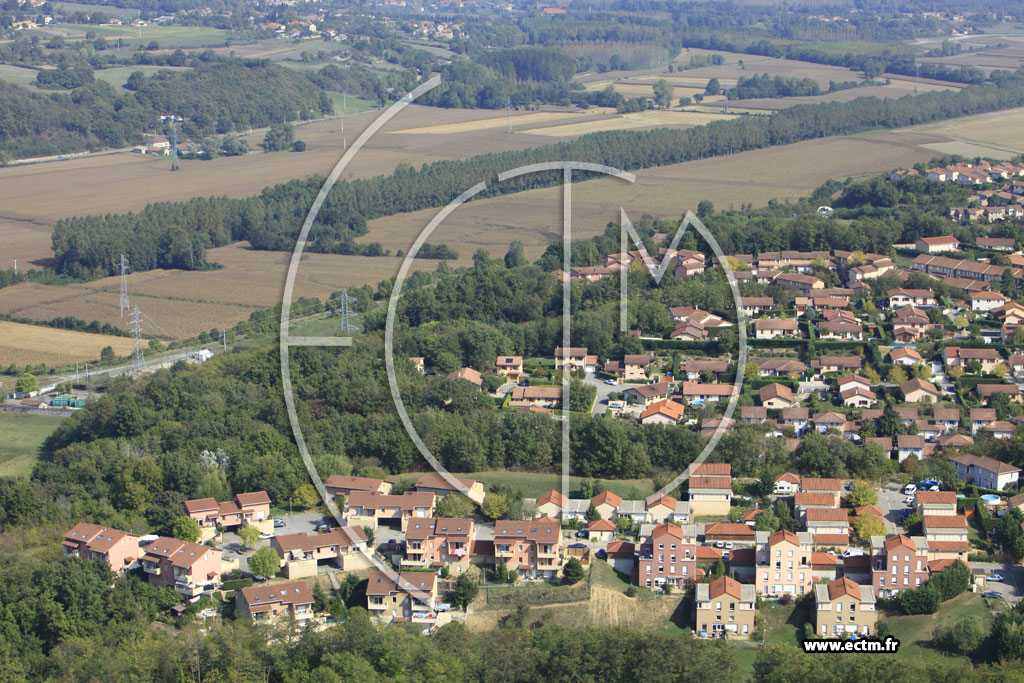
column 1012, row 585
column 890, row 500
column 603, row 390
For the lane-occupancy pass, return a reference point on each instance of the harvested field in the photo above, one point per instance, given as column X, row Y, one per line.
column 496, row 121
column 1002, row 129
column 32, row 344
column 646, row 119
column 26, row 241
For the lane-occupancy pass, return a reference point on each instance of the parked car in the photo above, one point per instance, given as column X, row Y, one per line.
column 728, row 544
column 266, row 535
column 852, row 552
column 994, row 577
column 610, row 382
column 719, row 544
column 991, row 594
column 322, row 528
column 581, row 534
column 909, row 500
column 278, row 523
column 910, row 490
column 602, row 554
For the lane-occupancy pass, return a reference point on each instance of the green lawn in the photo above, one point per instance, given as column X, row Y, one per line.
column 17, row 75
column 915, row 632
column 349, row 104
column 165, row 36
column 22, row 443
column 533, row 484
column 118, row 75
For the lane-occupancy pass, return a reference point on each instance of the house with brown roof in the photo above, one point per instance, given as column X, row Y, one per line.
column 413, row 598
column 908, row 446
column 509, row 366
column 632, row 367
column 956, row 357
column 342, row 547
column 802, row 502
column 437, row 542
column 986, row 301
column 756, row 305
column 575, row 358
column 441, row 487
column 725, row 607
column 919, row 391
column 545, row 397
column 188, row 568
column 770, row 328
column 550, row 504
column 845, row 330
column 530, row 548
column 666, row 557
column 905, row 356
column 843, row 607
column 898, row 563
column 469, row 374
column 827, row 364
column 647, row 394
column 710, row 495
column 981, row 418
column 985, row 472
column 663, row 412
column 245, row 508
column 910, row 297
column 827, row 521
column 607, row 504
column 783, row 563
column 270, row 603
column 937, row 245
column 660, row 507
column 91, row 541
column 986, row 391
column 696, row 367
column 777, row 396
column 829, row 485
column 338, row 485
column 796, row 418
column 601, row 531
column 730, row 532
column 369, row 508
column 786, row 484
column 780, row 367
column 946, row 536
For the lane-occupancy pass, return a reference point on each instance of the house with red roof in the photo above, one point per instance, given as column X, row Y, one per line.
column 725, row 607
column 91, row 541
column 667, row 557
column 843, row 607
column 530, row 548
column 244, row 508
column 270, row 603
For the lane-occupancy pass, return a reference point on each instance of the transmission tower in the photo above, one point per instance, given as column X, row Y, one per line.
column 139, row 358
column 123, row 301
column 174, row 146
column 346, row 314
column 508, row 115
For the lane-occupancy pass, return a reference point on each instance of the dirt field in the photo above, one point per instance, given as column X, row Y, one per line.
column 1002, row 129
column 23, row 344
column 646, row 119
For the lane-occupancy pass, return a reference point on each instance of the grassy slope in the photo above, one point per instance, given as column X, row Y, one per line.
column 23, row 441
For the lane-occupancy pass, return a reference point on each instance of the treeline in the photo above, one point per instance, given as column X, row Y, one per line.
column 763, row 85
column 86, row 246
column 214, row 98
column 70, row 323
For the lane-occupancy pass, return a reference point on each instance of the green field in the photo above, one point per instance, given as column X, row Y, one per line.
column 17, row 75
column 23, row 441
column 533, row 484
column 165, row 36
column 109, row 10
column 118, row 75
column 915, row 632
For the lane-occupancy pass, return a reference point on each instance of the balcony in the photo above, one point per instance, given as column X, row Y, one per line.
column 151, row 568
column 376, row 603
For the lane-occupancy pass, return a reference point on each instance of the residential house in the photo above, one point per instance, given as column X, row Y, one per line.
column 986, row 301
column 607, row 504
column 1000, row 429
column 985, row 472
column 898, row 563
column 695, row 368
column 919, row 391
column 575, row 358
column 786, row 484
column 753, row 414
column 981, row 418
column 754, row 306
column 937, row 245
column 509, row 366
column 189, row 568
column 663, row 412
column 783, row 563
column 412, row 599
column 544, row 397
column 947, row 418
column 338, row 485
column 827, row 364
column 91, row 541
column 905, row 356
column 530, row 548
column 935, row 502
column 730, row 532
column 802, row 502
column 710, row 495
column 419, row 363
column 910, row 446
column 342, row 547
column 840, row 329
column 946, row 536
column 698, row 392
column 997, row 243
column 911, row 324
column 829, row 420
column 441, row 486
column 660, row 507
column 843, row 607
column 667, row 557
column 244, row 508
column 986, row 391
column 438, row 542
column 725, row 607
column 647, row 394
column 268, row 604
column 368, row 508
column 777, row 396
column 827, row 521
column 796, row 418
column 956, row 357
column 550, row 504
column 601, row 531
column 800, row 281
column 910, row 297
column 469, row 374
column 780, row 367
column 770, row 328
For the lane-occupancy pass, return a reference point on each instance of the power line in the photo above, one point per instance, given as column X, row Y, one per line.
column 508, row 114
column 174, row 146
column 346, row 314
column 123, row 300
column 139, row 357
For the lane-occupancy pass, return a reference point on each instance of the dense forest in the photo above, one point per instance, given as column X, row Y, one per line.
column 214, row 98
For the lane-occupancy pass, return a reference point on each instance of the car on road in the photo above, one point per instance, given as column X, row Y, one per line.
column 278, row 523
column 266, row 535
column 909, row 500
column 610, row 382
column 991, row 594
column 852, row 552
column 994, row 577
column 910, row 490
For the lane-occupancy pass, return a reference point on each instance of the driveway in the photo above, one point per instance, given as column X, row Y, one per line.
column 603, row 390
column 890, row 500
column 1012, row 585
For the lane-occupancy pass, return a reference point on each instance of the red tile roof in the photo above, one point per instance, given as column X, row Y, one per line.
column 843, row 586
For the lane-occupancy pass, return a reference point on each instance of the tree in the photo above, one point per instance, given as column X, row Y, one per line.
column 371, row 536
column 662, row 93
column 912, row 524
column 298, row 146
column 923, row 600
column 465, row 592
column 232, row 146
column 186, row 529
column 572, row 572
column 306, row 496
column 265, row 562
column 455, row 506
column 719, row 569
column 862, row 493
column 592, row 515
column 588, row 488
column 107, row 354
column 516, row 255
column 279, row 137
column 713, row 87
column 897, row 375
column 250, row 536
column 705, row 208
column 685, row 101
column 766, row 521
column 495, row 506
column 867, row 526
column 26, row 384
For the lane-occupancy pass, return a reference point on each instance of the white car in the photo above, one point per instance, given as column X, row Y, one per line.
column 610, row 382
column 266, row 535
column 909, row 500
column 728, row 544
column 994, row 577
column 719, row 544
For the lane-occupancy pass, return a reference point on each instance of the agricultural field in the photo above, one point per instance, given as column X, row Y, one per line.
column 32, row 344
column 109, row 10
column 645, row 119
column 23, row 441
column 1001, row 130
column 17, row 75
column 118, row 76
column 168, row 37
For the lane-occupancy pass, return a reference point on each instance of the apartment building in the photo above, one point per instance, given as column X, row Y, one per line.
column 898, row 563
column 843, row 607
column 784, row 563
column 667, row 557
column 245, row 508
column 338, row 485
column 368, row 508
column 269, row 604
column 189, row 568
column 437, row 542
column 413, row 598
column 91, row 541
column 343, row 547
column 725, row 607
column 531, row 548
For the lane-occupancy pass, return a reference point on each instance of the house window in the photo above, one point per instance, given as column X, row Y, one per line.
column 718, row 606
